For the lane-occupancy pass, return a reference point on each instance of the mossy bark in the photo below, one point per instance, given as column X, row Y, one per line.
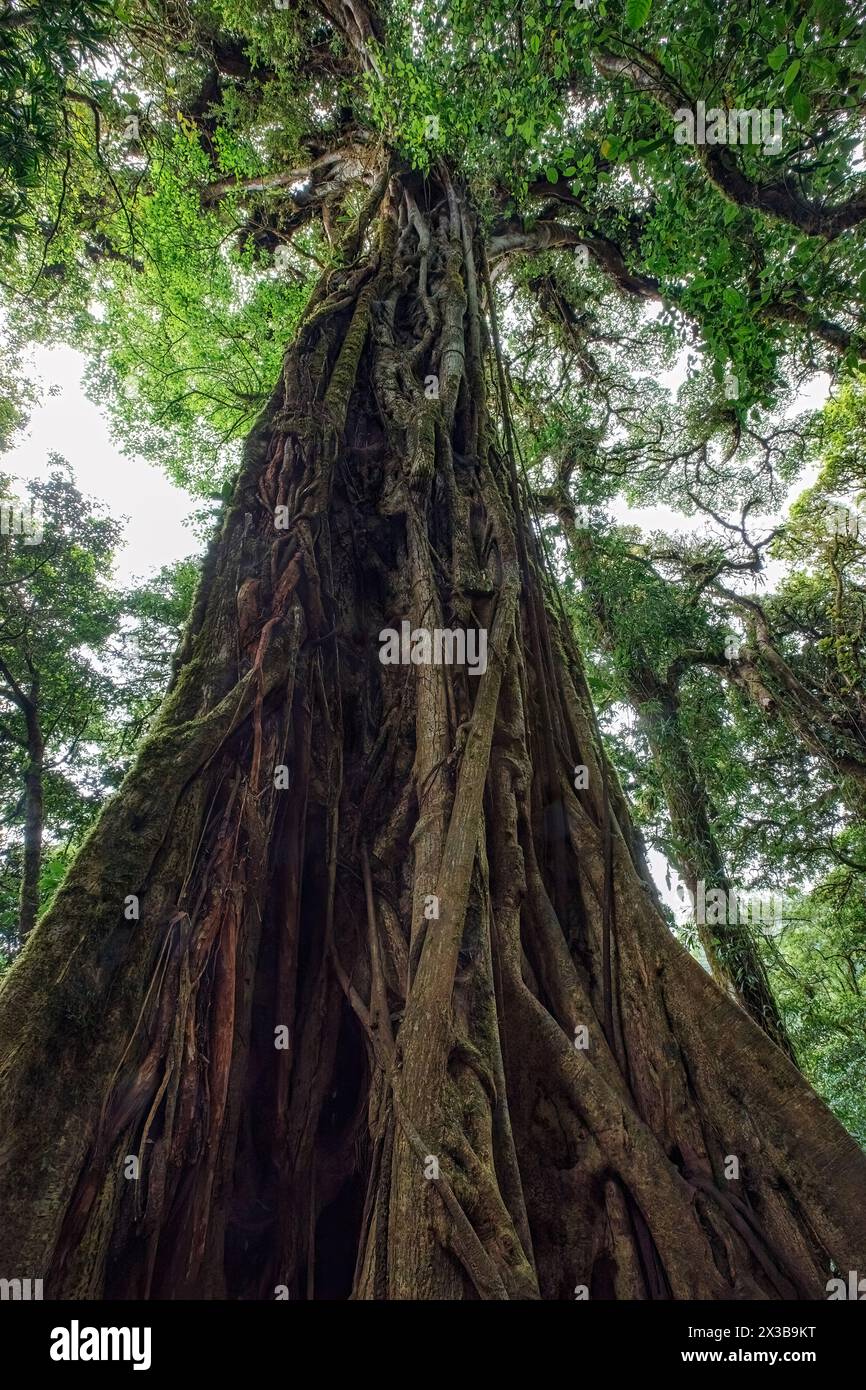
column 374, row 916
column 33, row 814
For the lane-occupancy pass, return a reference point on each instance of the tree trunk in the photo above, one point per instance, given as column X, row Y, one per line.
column 434, row 1126
column 33, row 817
column 731, row 953
column 730, row 950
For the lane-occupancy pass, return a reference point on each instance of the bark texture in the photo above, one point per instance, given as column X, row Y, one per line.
column 33, row 815
column 430, row 1129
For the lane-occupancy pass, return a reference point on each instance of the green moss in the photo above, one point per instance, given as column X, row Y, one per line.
column 346, row 367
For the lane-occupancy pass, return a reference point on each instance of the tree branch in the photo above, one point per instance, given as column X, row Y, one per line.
column 776, row 198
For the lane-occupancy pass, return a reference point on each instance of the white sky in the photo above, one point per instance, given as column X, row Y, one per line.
column 151, row 508
column 812, row 396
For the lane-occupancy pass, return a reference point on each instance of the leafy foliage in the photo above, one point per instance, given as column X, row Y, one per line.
column 41, row 45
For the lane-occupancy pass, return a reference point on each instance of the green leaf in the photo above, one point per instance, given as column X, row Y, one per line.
column 792, row 73
column 777, row 57
column 552, row 174
column 801, row 106
column 637, row 13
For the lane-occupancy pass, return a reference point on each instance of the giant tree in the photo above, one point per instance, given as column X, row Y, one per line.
column 359, row 984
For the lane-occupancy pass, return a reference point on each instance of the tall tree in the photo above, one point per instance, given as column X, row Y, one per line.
column 359, row 985
column 102, row 661
column 56, row 613
column 618, row 591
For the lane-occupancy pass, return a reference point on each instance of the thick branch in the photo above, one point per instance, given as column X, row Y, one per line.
column 777, row 198
column 548, row 236
column 326, row 176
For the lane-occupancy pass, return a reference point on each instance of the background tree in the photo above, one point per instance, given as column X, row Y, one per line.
column 155, row 612
column 41, row 45
column 101, row 661
column 56, row 612
column 649, row 633
column 780, row 813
